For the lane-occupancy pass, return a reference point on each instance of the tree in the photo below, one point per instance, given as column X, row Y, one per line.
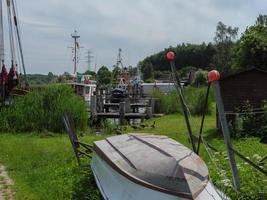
column 224, row 43
column 196, row 55
column 103, row 76
column 91, row 73
column 132, row 70
column 261, row 20
column 116, row 73
column 252, row 48
column 200, row 77
column 147, row 70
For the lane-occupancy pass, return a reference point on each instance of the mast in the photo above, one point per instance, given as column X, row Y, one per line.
column 2, row 46
column 75, row 37
column 17, row 28
column 11, row 37
column 119, row 60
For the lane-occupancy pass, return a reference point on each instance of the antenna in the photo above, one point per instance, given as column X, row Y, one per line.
column 76, row 45
column 119, row 60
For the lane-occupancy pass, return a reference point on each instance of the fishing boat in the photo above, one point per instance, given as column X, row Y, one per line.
column 143, row 167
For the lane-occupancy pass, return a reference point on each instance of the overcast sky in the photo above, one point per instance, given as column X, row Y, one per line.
column 139, row 27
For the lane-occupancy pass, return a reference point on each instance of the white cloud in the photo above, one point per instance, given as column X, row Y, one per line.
column 139, row 27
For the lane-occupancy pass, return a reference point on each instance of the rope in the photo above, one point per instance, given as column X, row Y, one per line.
column 245, row 113
column 218, row 166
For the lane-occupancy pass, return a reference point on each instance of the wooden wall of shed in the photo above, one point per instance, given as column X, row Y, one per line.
column 250, row 85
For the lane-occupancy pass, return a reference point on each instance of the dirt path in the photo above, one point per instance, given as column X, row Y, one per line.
column 5, row 185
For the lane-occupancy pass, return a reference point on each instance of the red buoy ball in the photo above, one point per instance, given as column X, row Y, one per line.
column 170, row 55
column 213, row 75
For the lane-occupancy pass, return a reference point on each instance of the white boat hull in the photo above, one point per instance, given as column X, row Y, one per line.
column 114, row 186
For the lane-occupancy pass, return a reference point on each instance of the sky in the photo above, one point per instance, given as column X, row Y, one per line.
column 139, row 27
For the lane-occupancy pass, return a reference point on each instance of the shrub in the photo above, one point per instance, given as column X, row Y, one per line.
column 200, row 78
column 248, row 123
column 166, row 103
column 42, row 110
column 196, row 100
column 194, row 97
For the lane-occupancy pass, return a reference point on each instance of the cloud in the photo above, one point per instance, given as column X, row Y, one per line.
column 139, row 27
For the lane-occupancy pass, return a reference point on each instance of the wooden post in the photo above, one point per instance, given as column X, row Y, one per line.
column 101, row 109
column 122, row 112
column 127, row 105
column 149, row 112
column 152, row 104
column 226, row 135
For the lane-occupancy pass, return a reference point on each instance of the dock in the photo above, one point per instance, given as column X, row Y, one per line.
column 126, row 110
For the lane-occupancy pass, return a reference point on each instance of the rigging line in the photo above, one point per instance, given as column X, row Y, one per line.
column 218, row 166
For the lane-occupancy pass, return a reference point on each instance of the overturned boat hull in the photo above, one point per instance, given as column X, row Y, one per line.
column 139, row 167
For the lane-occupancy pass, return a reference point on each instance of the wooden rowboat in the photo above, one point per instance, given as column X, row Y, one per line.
column 144, row 167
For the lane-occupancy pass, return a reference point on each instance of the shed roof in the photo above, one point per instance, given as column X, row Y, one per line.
column 242, row 72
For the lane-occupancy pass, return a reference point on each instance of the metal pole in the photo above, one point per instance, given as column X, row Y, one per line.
column 75, row 54
column 203, row 118
column 226, row 135
column 185, row 111
column 2, row 47
column 16, row 23
column 75, row 37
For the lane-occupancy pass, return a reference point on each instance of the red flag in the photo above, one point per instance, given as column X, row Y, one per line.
column 3, row 75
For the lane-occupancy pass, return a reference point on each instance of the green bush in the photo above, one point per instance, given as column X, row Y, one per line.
column 42, row 110
column 194, row 97
column 248, row 124
column 200, row 77
column 166, row 103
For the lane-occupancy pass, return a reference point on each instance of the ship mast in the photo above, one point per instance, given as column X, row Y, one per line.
column 2, row 48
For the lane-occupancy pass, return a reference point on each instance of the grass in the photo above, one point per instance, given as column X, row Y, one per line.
column 45, row 167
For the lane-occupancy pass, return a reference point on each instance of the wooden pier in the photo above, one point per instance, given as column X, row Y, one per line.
column 128, row 109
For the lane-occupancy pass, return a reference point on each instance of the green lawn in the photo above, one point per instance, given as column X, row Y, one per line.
column 45, row 167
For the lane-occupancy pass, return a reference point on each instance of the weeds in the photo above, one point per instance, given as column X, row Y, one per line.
column 42, row 110
column 195, row 98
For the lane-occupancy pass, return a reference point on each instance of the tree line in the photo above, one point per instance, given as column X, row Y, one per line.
column 226, row 53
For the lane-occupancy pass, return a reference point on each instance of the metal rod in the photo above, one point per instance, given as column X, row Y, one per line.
column 2, row 47
column 203, row 118
column 185, row 109
column 226, row 135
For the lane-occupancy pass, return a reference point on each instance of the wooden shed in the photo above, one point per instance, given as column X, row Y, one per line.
column 248, row 85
